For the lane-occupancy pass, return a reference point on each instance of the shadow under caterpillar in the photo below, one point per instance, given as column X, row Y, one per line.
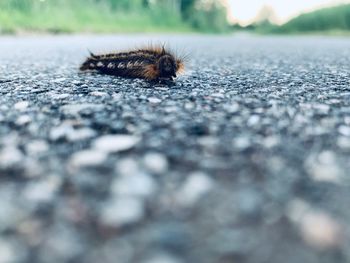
column 155, row 63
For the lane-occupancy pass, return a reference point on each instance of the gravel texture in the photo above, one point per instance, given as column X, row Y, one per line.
column 244, row 159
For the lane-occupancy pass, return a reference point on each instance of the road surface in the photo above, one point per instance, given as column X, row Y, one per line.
column 245, row 158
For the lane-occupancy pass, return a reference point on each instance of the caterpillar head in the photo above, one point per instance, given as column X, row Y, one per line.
column 167, row 67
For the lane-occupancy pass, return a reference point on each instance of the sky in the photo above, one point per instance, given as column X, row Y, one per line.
column 244, row 11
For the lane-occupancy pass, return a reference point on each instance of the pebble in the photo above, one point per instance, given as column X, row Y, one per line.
column 42, row 191
column 88, row 158
column 140, row 184
column 253, row 120
column 59, row 80
column 322, row 108
column 320, row 230
column 62, row 96
column 154, row 100
column 122, row 211
column 23, row 120
column 98, row 94
column 77, row 82
column 208, row 141
column 344, row 130
column 10, row 156
column 194, row 188
column 324, row 167
column 37, row 147
column 232, row 108
column 75, row 109
column 317, row 228
column 80, row 134
column 115, row 143
column 66, row 131
column 156, row 163
column 21, row 105
column 242, row 142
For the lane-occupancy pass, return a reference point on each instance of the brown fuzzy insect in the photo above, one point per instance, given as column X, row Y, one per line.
column 150, row 64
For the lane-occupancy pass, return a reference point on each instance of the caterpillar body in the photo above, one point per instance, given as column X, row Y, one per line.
column 150, row 64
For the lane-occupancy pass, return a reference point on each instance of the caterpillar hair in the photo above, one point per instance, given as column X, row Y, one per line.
column 154, row 63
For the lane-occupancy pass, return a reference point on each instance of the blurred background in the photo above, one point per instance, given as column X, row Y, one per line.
column 212, row 16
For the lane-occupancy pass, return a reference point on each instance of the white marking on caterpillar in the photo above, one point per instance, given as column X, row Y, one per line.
column 121, row 65
column 111, row 65
column 129, row 65
column 100, row 64
column 137, row 63
column 92, row 65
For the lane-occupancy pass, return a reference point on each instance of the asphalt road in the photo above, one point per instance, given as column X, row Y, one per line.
column 244, row 159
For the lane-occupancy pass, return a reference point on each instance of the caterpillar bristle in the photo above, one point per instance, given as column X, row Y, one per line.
column 151, row 63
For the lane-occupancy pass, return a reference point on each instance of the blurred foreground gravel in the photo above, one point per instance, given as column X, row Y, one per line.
column 244, row 159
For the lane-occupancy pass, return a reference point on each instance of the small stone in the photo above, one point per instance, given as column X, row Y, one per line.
column 233, row 108
column 60, row 132
column 42, row 191
column 322, row 108
column 75, row 109
column 10, row 156
column 217, row 95
column 60, row 96
column 208, row 141
column 59, row 80
column 321, row 230
column 122, row 211
column 317, row 228
column 253, row 120
column 344, row 130
column 77, row 82
column 156, row 163
column 154, row 100
column 21, row 106
column 66, row 131
column 271, row 141
column 115, row 143
column 242, row 142
column 139, row 184
column 37, row 147
column 98, row 94
column 80, row 134
column 196, row 185
column 88, row 158
column 23, row 120
column 324, row 167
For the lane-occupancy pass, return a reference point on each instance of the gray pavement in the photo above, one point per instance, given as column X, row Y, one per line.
column 244, row 159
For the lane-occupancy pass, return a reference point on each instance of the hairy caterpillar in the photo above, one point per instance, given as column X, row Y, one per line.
column 154, row 63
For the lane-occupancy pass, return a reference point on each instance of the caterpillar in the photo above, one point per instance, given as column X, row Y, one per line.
column 155, row 63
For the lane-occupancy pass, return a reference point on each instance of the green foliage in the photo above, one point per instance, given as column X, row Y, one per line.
column 327, row 19
column 212, row 18
column 111, row 15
